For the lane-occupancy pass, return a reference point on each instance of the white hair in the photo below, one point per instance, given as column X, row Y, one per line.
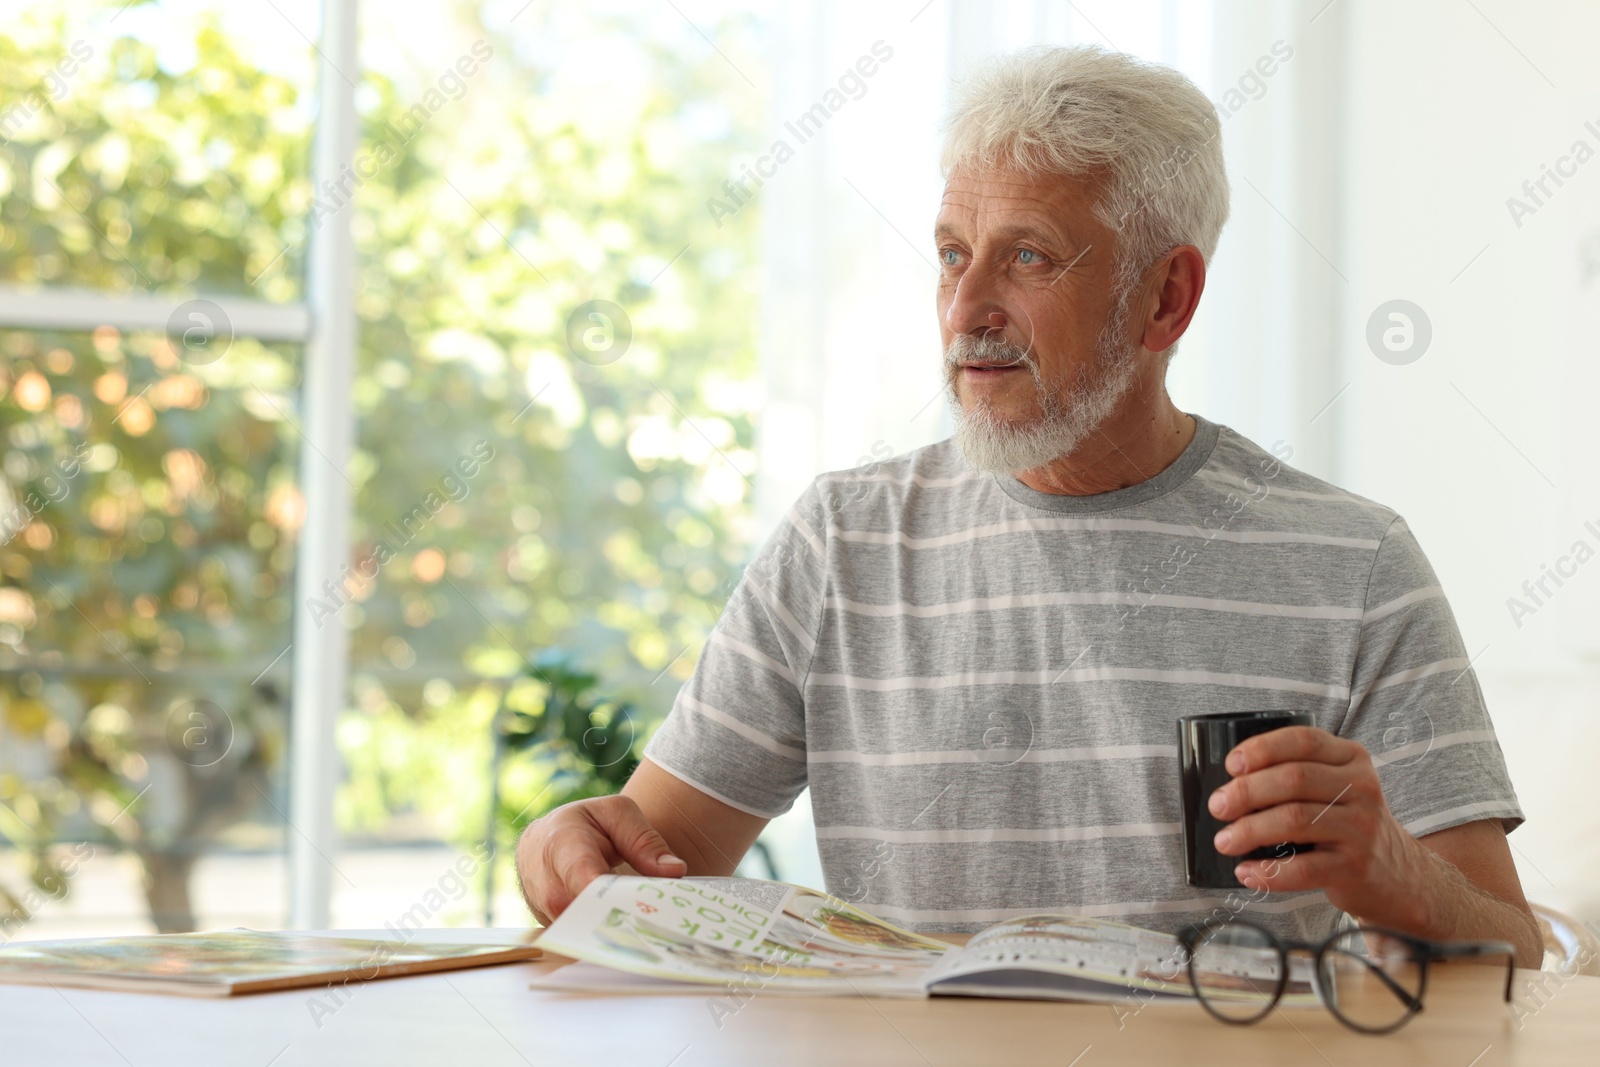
column 1084, row 112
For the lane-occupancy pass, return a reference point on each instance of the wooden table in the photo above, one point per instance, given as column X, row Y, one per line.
column 489, row 1017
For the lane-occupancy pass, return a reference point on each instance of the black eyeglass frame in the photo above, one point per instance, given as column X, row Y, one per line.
column 1424, row 951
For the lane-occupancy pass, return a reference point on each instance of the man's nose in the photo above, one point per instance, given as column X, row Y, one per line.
column 974, row 310
column 976, row 320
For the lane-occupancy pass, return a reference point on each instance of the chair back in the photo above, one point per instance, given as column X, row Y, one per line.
column 1570, row 947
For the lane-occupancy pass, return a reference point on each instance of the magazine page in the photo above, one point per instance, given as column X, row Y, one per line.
column 1060, row 956
column 758, row 935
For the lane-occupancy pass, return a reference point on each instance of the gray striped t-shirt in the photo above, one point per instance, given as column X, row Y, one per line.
column 979, row 682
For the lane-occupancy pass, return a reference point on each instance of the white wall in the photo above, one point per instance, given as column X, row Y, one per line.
column 1487, row 443
column 1260, row 356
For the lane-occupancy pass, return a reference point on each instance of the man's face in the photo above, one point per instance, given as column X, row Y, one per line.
column 1036, row 353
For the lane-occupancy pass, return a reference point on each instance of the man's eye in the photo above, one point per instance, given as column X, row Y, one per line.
column 948, row 256
column 1028, row 255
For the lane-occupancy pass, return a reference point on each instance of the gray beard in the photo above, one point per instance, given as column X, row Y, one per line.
column 1066, row 417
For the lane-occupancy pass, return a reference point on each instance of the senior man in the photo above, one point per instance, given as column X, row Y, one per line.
column 974, row 654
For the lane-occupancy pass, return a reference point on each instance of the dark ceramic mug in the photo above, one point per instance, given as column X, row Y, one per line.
column 1204, row 742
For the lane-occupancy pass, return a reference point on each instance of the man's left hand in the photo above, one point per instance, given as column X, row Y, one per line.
column 1304, row 785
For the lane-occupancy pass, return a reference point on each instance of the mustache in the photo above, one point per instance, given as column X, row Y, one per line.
column 988, row 348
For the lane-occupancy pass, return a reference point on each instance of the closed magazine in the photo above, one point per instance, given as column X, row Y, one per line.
column 232, row 962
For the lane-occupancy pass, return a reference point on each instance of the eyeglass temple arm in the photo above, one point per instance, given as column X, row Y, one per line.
column 1454, row 950
column 1396, row 988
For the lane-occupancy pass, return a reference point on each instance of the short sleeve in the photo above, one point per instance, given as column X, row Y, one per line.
column 1415, row 702
column 737, row 729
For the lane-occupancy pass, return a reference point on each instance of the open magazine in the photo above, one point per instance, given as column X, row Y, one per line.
column 774, row 937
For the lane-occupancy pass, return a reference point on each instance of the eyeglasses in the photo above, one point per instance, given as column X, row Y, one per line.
column 1373, row 980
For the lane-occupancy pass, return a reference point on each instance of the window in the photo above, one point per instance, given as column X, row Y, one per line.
column 150, row 485
column 552, row 452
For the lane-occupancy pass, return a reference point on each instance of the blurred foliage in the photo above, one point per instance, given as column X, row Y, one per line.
column 592, row 738
column 605, row 508
column 561, row 737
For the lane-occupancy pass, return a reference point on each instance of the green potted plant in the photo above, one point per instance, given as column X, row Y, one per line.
column 589, row 741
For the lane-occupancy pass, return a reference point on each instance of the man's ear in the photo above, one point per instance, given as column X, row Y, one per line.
column 1174, row 286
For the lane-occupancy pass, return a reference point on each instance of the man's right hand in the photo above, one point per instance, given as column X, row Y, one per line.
column 576, row 843
column 657, row 818
column 563, row 852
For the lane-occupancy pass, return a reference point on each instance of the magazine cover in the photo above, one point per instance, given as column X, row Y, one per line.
column 234, row 961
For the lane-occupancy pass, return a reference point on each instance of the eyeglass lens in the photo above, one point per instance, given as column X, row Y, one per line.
column 1370, row 980
column 1237, row 971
